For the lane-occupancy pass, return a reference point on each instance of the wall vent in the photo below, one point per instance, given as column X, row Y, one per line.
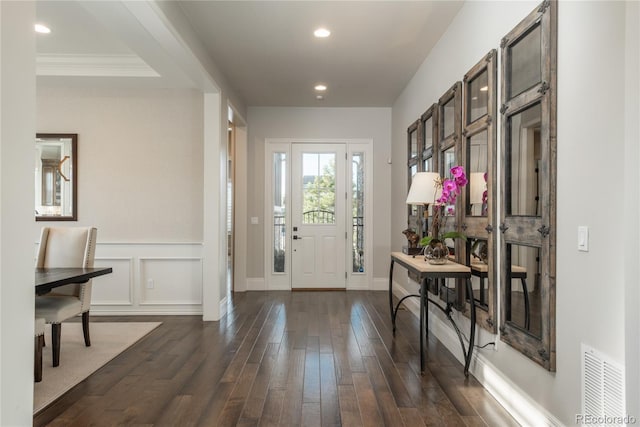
column 603, row 386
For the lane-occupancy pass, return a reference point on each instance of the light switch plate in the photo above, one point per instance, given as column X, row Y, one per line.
column 583, row 238
column 254, row 220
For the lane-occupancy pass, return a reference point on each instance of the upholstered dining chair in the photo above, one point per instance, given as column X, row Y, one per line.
column 66, row 247
column 39, row 343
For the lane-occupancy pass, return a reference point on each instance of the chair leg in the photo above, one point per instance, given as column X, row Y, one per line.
column 85, row 328
column 37, row 360
column 56, row 329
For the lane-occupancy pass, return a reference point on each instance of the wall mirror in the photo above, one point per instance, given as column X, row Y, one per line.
column 56, row 176
column 479, row 145
column 449, row 151
column 413, row 163
column 528, row 183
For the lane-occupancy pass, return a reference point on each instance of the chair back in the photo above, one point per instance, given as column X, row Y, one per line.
column 62, row 247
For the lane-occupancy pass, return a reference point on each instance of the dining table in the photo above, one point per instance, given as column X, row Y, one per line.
column 47, row 279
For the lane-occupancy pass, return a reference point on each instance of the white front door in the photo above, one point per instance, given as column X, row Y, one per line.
column 318, row 234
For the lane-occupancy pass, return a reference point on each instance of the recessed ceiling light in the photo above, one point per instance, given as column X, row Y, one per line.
column 322, row 33
column 320, row 87
column 319, row 97
column 42, row 29
column 484, row 88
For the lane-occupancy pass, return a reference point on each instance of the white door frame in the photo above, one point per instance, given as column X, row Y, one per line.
column 282, row 281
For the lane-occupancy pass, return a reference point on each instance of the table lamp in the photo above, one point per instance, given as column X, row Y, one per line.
column 424, row 191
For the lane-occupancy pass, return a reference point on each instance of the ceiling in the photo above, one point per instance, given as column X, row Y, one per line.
column 265, row 49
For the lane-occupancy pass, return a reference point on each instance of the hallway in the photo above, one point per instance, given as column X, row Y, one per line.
column 281, row 358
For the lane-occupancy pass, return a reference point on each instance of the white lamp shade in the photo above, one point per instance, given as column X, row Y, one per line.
column 423, row 188
column 477, row 186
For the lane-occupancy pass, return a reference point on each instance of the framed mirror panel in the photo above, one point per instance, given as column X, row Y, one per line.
column 414, row 221
column 479, row 148
column 429, row 126
column 56, row 177
column 449, row 150
column 527, row 230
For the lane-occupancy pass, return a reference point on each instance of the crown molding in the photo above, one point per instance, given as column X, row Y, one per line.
column 93, row 66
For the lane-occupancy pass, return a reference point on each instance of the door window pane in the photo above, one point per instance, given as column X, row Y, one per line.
column 448, row 119
column 525, row 68
column 279, row 211
column 479, row 92
column 414, row 144
column 357, row 209
column 523, row 156
column 413, row 209
column 318, row 188
column 448, row 161
column 523, row 288
column 477, row 188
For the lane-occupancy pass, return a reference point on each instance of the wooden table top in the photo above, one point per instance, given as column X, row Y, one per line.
column 419, row 265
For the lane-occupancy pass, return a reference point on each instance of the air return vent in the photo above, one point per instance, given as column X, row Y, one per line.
column 602, row 386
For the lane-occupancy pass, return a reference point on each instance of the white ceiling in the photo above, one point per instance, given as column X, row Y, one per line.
column 265, row 49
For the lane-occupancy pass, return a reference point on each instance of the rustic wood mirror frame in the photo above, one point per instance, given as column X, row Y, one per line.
column 414, row 213
column 429, row 149
column 481, row 227
column 444, row 142
column 537, row 231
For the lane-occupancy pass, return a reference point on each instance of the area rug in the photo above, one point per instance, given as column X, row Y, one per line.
column 77, row 362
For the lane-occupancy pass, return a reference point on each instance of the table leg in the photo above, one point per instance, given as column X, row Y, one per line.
column 393, row 320
column 472, row 332
column 422, row 324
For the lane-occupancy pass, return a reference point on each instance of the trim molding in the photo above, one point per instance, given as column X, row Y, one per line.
column 93, row 66
column 516, row 401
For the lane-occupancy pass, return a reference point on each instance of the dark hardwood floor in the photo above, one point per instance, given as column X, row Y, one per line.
column 280, row 358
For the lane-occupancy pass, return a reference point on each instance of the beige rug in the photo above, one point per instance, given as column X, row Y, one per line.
column 77, row 362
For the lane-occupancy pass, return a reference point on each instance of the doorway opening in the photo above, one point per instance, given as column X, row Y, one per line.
column 319, row 203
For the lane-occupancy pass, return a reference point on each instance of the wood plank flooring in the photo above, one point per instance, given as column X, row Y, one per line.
column 280, row 359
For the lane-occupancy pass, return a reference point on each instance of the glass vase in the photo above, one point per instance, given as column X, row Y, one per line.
column 436, row 252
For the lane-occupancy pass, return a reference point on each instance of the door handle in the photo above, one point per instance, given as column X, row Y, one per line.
column 295, row 237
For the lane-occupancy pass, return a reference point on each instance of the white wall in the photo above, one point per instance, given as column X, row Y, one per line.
column 632, row 204
column 591, row 146
column 140, row 167
column 17, row 128
column 140, row 182
column 318, row 123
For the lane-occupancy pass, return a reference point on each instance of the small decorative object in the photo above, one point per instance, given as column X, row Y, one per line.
column 436, row 250
column 480, row 250
column 412, row 237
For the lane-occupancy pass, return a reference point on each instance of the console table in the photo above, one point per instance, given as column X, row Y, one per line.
column 426, row 272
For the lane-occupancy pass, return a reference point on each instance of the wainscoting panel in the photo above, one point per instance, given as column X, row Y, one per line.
column 170, row 281
column 148, row 278
column 115, row 288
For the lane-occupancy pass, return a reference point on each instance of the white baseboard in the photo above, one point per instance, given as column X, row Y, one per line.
column 197, row 311
column 517, row 402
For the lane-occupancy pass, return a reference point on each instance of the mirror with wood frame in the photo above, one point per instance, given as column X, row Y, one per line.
column 479, row 144
column 414, row 213
column 449, row 153
column 527, row 230
column 56, row 177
